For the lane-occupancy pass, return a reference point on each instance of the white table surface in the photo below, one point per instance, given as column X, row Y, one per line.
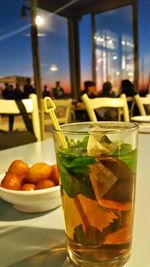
column 29, row 240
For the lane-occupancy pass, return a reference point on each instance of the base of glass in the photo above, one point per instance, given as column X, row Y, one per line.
column 116, row 262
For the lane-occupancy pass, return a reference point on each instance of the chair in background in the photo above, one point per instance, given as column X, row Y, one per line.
column 9, row 107
column 119, row 103
column 131, row 105
column 63, row 112
column 143, row 103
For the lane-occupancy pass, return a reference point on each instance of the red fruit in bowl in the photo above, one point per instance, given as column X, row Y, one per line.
column 11, row 181
column 55, row 174
column 39, row 171
column 45, row 184
column 19, row 168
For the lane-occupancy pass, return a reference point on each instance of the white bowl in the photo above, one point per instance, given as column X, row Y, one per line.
column 141, row 118
column 32, row 201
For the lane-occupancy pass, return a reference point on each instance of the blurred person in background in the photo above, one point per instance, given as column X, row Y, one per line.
column 107, row 90
column 8, row 93
column 58, row 91
column 127, row 88
column 107, row 113
column 28, row 88
column 18, row 94
column 46, row 91
column 89, row 89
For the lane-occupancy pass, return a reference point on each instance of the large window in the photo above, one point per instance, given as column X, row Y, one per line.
column 53, row 50
column 114, row 47
column 16, row 50
column 15, row 42
column 113, row 41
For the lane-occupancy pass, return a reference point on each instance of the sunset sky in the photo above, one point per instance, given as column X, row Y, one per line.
column 15, row 43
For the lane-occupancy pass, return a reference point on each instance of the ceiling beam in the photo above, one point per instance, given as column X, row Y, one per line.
column 102, row 6
column 77, row 8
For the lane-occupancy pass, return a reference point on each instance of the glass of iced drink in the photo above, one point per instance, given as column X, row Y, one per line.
column 97, row 166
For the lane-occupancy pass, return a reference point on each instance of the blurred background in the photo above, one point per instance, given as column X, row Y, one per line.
column 113, row 43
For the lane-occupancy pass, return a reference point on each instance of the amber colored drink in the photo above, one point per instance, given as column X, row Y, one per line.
column 98, row 200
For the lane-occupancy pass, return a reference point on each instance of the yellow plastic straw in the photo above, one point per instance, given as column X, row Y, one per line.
column 49, row 107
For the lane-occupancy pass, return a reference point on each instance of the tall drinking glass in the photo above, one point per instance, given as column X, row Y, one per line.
column 97, row 167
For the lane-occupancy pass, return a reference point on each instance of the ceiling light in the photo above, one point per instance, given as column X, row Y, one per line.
column 53, row 67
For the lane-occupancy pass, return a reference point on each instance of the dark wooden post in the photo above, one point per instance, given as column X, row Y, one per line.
column 35, row 55
column 74, row 55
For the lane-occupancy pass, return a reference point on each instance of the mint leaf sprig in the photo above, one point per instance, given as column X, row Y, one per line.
column 74, row 175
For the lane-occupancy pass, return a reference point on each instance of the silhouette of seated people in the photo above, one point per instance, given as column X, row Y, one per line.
column 58, row 91
column 107, row 113
column 107, row 90
column 18, row 94
column 144, row 92
column 46, row 91
column 28, row 88
column 89, row 89
column 127, row 88
column 8, row 91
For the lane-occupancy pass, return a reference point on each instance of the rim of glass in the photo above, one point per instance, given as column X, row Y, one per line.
column 106, row 126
